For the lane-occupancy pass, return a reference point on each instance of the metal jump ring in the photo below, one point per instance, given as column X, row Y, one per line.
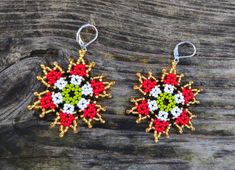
column 82, row 44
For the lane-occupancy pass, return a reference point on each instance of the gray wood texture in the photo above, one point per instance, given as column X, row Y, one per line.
column 133, row 36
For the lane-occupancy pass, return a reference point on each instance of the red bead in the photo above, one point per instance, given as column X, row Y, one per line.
column 79, row 69
column 148, row 85
column 188, row 95
column 90, row 111
column 98, row 87
column 66, row 119
column 160, row 125
column 142, row 108
column 46, row 101
column 171, row 79
column 183, row 119
column 53, row 76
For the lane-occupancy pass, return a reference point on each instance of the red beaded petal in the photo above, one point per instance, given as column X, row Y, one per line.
column 188, row 95
column 53, row 76
column 66, row 119
column 142, row 108
column 160, row 125
column 90, row 111
column 183, row 119
column 79, row 69
column 46, row 101
column 171, row 79
column 98, row 87
column 148, row 85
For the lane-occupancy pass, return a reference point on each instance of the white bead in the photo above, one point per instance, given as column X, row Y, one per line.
column 155, row 91
column 87, row 90
column 179, row 98
column 61, row 83
column 169, row 88
column 68, row 108
column 76, row 80
column 57, row 98
column 162, row 115
column 82, row 104
column 152, row 104
column 176, row 112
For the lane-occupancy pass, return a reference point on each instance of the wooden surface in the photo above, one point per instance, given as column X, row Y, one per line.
column 133, row 36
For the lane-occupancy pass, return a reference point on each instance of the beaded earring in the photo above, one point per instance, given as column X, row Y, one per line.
column 165, row 102
column 72, row 94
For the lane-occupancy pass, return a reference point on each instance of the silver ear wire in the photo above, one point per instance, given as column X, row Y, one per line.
column 176, row 51
column 79, row 39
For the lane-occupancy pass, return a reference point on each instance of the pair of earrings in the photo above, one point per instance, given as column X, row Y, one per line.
column 73, row 94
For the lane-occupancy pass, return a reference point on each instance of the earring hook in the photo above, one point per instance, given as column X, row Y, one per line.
column 82, row 44
column 176, row 51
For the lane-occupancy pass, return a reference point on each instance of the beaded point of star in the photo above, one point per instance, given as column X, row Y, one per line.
column 71, row 95
column 165, row 102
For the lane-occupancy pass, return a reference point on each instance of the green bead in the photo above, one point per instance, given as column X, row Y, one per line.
column 160, row 100
column 76, row 90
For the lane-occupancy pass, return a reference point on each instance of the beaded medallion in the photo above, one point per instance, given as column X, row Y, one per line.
column 165, row 102
column 71, row 95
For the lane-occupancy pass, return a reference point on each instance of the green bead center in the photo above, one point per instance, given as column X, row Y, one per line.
column 71, row 94
column 166, row 102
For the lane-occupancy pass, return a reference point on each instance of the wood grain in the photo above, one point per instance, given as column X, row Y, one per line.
column 133, row 36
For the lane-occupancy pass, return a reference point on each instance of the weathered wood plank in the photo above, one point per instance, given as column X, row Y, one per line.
column 133, row 36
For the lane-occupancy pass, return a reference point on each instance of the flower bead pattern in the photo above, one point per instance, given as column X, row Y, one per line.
column 83, row 103
column 176, row 112
column 164, row 103
column 61, row 83
column 71, row 95
column 76, row 80
column 87, row 90
column 152, row 105
column 68, row 108
column 169, row 88
column 57, row 98
column 155, row 91
column 163, row 115
column 179, row 98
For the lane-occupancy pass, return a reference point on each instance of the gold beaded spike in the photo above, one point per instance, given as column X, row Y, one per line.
column 71, row 95
column 164, row 102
